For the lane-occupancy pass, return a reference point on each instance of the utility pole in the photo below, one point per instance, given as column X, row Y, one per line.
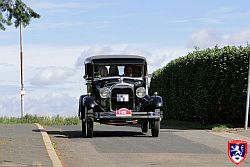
column 248, row 94
column 22, row 92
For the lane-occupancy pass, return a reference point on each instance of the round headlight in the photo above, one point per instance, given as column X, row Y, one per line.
column 140, row 92
column 104, row 92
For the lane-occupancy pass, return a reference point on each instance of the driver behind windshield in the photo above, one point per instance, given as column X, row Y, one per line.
column 102, row 71
column 128, row 71
column 113, row 70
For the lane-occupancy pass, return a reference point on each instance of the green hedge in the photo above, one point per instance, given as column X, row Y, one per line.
column 208, row 86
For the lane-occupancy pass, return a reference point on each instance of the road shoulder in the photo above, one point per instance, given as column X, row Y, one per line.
column 22, row 145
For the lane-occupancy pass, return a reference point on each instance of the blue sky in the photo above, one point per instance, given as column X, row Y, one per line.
column 56, row 45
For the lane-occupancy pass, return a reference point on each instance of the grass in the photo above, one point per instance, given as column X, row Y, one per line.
column 219, row 128
column 58, row 120
column 195, row 125
column 49, row 121
column 54, row 145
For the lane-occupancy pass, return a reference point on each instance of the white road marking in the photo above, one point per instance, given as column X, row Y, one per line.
column 51, row 151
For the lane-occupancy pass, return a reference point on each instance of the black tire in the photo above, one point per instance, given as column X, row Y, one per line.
column 155, row 128
column 84, row 128
column 87, row 125
column 90, row 130
column 87, row 128
column 144, row 127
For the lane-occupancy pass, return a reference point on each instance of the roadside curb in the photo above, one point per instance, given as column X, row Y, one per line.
column 49, row 147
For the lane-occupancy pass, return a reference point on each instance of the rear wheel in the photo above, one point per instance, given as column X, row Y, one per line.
column 155, row 128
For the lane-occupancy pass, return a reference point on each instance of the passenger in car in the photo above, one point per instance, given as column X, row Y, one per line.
column 128, row 71
column 137, row 71
column 103, row 71
column 113, row 70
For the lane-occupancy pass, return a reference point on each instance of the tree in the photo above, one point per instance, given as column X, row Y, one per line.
column 15, row 11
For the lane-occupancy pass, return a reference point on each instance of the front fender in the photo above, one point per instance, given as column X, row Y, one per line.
column 156, row 102
column 89, row 102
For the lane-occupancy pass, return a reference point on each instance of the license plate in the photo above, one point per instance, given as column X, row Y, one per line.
column 123, row 112
column 122, row 97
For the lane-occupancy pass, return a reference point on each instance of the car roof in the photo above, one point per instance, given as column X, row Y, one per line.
column 115, row 57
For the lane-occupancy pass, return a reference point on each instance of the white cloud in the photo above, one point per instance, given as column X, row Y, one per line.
column 162, row 56
column 50, row 104
column 53, row 104
column 44, row 55
column 239, row 38
column 9, row 64
column 52, row 75
column 156, row 57
column 9, row 106
column 205, row 38
column 41, row 55
column 96, row 50
column 43, row 64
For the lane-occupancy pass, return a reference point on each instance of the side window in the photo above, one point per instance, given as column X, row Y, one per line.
column 88, row 71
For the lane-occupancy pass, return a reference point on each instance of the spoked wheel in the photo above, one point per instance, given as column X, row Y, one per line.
column 144, row 127
column 87, row 128
column 155, row 128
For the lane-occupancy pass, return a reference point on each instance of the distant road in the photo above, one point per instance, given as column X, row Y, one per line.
column 128, row 147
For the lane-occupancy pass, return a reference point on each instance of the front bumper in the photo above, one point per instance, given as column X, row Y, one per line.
column 135, row 115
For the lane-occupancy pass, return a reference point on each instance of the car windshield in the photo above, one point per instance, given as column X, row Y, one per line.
column 126, row 70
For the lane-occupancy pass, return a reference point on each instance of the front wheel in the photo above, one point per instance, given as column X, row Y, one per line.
column 87, row 128
column 155, row 128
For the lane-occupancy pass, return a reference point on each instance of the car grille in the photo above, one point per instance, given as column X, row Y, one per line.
column 116, row 105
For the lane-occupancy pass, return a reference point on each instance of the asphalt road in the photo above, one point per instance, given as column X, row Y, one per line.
column 127, row 146
column 22, row 146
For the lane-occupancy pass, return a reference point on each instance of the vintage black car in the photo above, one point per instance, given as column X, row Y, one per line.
column 117, row 94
